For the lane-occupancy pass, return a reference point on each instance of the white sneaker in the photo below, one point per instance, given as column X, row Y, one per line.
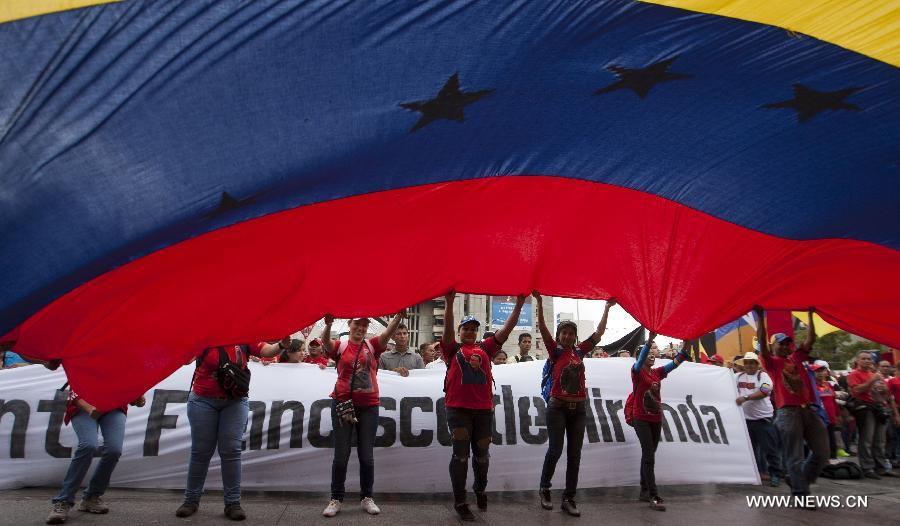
column 369, row 506
column 333, row 508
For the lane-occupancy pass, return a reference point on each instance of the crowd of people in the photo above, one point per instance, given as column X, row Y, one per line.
column 800, row 416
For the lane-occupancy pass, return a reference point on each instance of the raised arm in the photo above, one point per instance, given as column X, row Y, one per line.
column 327, row 346
column 601, row 327
column 761, row 337
column 391, row 329
column 679, row 358
column 806, row 347
column 546, row 335
column 448, row 339
column 507, row 328
column 645, row 351
column 269, row 350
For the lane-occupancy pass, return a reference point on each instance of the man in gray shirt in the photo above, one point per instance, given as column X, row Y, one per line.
column 401, row 359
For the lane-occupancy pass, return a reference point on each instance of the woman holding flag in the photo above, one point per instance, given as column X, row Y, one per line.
column 566, row 410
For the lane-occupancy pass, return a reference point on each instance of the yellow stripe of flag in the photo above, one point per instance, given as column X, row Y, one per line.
column 822, row 326
column 870, row 27
column 18, row 9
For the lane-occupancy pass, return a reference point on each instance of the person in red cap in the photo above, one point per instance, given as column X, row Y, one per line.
column 716, row 360
column 470, row 400
column 316, row 355
column 797, row 420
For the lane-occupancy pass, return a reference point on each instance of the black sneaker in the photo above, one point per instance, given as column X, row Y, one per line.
column 186, row 509
column 481, row 500
column 568, row 506
column 872, row 475
column 546, row 500
column 656, row 503
column 464, row 512
column 235, row 512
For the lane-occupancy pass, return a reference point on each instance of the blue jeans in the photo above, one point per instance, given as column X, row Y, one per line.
column 366, row 427
column 764, row 438
column 216, row 422
column 112, row 425
column 798, row 425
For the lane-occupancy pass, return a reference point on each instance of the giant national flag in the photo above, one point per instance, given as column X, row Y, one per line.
column 177, row 175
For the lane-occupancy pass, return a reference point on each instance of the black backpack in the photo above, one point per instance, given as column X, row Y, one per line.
column 233, row 378
column 843, row 470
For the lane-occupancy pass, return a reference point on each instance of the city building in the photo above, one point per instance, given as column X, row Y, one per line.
column 426, row 320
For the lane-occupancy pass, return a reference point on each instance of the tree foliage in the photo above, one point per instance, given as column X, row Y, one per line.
column 839, row 348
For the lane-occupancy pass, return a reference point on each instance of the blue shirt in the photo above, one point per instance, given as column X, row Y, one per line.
column 11, row 358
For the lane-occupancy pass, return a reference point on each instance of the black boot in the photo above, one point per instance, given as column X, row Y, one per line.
column 464, row 512
column 186, row 509
column 481, row 500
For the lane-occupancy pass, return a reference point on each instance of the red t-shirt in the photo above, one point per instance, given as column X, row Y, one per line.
column 321, row 359
column 859, row 377
column 568, row 370
column 826, row 394
column 71, row 408
column 790, row 380
column 205, row 383
column 894, row 388
column 365, row 385
column 469, row 379
column 647, row 403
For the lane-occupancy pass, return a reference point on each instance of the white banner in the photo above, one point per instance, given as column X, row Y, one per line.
column 288, row 434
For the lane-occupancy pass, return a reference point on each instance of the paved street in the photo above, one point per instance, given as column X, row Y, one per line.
column 687, row 505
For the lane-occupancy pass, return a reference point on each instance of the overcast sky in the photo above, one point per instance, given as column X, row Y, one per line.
column 619, row 324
